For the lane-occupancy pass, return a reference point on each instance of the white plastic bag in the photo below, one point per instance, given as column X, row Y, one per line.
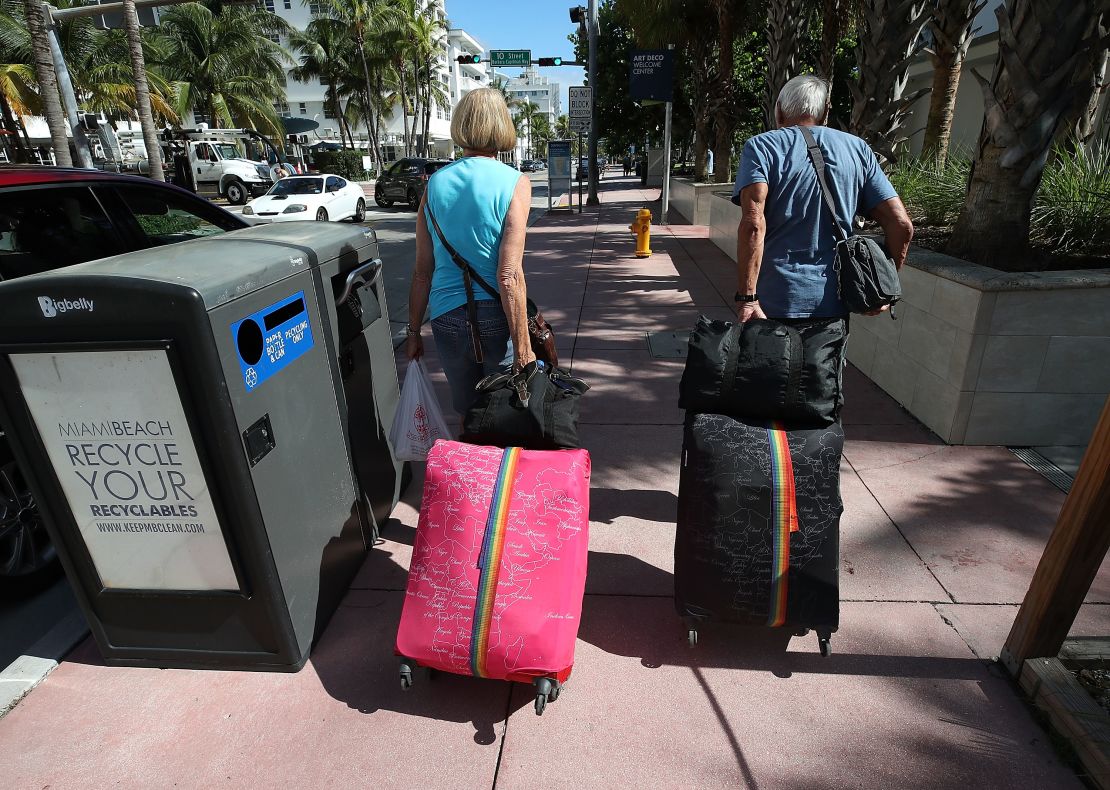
column 418, row 422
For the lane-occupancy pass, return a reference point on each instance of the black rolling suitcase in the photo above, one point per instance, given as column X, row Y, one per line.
column 758, row 526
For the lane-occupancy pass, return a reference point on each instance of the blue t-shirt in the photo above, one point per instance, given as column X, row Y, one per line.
column 470, row 199
column 796, row 277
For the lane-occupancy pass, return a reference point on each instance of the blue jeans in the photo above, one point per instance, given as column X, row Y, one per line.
column 456, row 351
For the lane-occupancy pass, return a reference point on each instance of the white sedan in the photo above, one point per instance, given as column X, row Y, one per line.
column 321, row 197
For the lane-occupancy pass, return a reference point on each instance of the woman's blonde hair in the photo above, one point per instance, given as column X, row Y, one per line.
column 481, row 122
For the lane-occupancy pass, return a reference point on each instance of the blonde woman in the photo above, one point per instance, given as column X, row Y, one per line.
column 481, row 207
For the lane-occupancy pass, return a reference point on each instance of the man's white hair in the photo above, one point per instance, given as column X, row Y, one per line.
column 804, row 96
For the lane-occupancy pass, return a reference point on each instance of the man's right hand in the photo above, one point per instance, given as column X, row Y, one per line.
column 746, row 311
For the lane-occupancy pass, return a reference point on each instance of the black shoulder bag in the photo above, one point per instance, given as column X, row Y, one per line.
column 540, row 333
column 867, row 278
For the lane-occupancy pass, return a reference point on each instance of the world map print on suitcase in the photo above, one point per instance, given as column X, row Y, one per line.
column 499, row 562
column 735, row 535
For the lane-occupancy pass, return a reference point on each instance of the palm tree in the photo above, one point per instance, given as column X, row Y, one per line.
column 951, row 31
column 835, row 16
column 562, row 128
column 786, row 27
column 225, row 64
column 142, row 90
column 888, row 38
column 325, row 49
column 48, row 81
column 1041, row 46
column 428, row 37
column 526, row 114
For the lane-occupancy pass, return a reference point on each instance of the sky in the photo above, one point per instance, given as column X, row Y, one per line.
column 539, row 25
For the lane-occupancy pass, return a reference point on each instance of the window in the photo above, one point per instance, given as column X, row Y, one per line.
column 328, row 114
column 316, row 8
column 164, row 217
column 335, row 184
column 281, row 108
column 288, row 5
column 275, row 37
column 44, row 229
column 302, row 107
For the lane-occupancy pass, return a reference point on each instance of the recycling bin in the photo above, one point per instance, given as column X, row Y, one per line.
column 204, row 427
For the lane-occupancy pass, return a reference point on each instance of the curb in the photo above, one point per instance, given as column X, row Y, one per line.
column 42, row 658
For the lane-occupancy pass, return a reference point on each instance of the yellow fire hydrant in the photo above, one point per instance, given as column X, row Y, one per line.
column 641, row 226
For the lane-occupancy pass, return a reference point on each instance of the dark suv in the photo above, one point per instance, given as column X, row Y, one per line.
column 53, row 217
column 404, row 181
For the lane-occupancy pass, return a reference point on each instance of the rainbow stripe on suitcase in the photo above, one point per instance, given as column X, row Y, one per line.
column 489, row 561
column 784, row 520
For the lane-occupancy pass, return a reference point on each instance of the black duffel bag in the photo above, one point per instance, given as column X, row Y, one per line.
column 766, row 370
column 536, row 408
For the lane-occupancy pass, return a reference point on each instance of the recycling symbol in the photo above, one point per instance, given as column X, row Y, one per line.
column 251, row 377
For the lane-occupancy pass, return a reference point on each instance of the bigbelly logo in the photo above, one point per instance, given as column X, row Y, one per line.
column 51, row 307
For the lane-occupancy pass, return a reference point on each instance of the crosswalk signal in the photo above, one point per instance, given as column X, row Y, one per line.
column 469, row 59
column 551, row 61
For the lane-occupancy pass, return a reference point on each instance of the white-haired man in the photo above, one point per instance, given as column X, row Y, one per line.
column 785, row 244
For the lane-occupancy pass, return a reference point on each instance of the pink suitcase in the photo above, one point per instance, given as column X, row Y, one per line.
column 498, row 566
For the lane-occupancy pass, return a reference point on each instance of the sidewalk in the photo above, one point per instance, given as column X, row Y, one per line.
column 938, row 545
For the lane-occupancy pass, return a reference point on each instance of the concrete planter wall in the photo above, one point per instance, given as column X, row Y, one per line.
column 982, row 356
column 692, row 200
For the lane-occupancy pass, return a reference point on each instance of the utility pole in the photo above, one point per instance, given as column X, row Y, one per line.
column 65, row 88
column 592, row 199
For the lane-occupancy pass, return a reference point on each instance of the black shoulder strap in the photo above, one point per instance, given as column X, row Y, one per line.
column 818, row 160
column 459, row 260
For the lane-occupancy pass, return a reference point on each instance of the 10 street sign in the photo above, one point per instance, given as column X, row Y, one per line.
column 510, row 57
column 581, row 101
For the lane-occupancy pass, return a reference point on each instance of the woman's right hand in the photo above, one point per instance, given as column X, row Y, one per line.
column 414, row 347
column 522, row 358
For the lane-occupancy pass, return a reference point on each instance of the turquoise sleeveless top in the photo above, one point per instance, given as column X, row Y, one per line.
column 470, row 199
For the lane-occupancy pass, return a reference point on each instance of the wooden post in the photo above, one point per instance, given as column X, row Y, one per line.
column 1070, row 561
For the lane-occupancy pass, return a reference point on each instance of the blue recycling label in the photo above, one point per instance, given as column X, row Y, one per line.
column 272, row 338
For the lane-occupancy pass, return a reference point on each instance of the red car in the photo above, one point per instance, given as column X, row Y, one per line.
column 53, row 217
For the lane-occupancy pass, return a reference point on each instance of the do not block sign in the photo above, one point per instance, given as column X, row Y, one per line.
column 651, row 74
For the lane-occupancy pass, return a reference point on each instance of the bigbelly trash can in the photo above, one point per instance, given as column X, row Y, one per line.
column 204, row 426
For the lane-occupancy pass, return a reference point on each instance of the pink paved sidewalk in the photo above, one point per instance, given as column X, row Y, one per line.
column 938, row 545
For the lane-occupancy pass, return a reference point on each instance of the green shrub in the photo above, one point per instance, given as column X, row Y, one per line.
column 1072, row 210
column 933, row 193
column 346, row 163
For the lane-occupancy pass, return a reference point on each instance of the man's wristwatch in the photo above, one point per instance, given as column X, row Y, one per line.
column 410, row 332
column 739, row 297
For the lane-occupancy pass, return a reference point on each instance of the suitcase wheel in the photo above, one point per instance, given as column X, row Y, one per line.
column 692, row 637
column 406, row 674
column 547, row 690
column 823, row 637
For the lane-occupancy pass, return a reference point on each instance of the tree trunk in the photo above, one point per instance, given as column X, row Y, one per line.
column 48, row 82
column 142, row 91
column 1043, row 48
column 950, row 27
column 831, row 14
column 942, row 109
column 21, row 154
column 404, row 109
column 1078, row 124
column 785, row 28
column 888, row 39
column 724, row 116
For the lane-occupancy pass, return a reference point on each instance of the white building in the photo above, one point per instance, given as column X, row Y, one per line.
column 530, row 86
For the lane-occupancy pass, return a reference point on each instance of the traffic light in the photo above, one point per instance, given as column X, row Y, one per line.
column 550, row 61
column 469, row 58
column 578, row 14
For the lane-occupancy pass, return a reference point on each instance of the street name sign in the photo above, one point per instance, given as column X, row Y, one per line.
column 651, row 74
column 510, row 57
column 581, row 101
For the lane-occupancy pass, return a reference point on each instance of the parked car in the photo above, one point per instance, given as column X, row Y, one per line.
column 321, row 197
column 53, row 217
column 405, row 180
column 532, row 166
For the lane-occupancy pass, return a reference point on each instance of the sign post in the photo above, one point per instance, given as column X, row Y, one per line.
column 651, row 80
column 581, row 113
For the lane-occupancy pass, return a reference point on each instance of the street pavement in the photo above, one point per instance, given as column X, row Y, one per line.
column 938, row 545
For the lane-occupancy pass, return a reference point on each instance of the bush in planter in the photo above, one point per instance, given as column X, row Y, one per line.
column 932, row 191
column 1072, row 211
column 346, row 163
